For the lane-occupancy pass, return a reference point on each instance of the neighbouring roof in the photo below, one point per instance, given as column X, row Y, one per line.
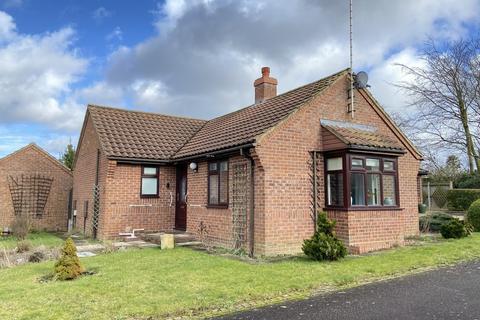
column 361, row 136
column 34, row 146
column 141, row 135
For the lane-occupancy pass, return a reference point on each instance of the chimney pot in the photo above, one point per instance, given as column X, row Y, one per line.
column 265, row 72
column 265, row 87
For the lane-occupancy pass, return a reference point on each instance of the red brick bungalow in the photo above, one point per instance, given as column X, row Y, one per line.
column 246, row 179
column 35, row 183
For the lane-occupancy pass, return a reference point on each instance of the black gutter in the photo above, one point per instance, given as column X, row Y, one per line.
column 139, row 160
column 365, row 149
column 214, row 153
column 251, row 227
column 195, row 157
column 376, row 149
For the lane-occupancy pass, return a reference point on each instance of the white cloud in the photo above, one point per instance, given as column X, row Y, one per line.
column 101, row 94
column 37, row 75
column 207, row 53
column 7, row 27
column 116, row 34
column 149, row 93
column 100, row 14
column 387, row 74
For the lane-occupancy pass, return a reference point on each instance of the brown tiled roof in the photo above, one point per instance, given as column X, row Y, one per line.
column 149, row 136
column 354, row 136
column 243, row 126
column 141, row 135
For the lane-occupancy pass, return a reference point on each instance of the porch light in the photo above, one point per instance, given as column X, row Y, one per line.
column 194, row 166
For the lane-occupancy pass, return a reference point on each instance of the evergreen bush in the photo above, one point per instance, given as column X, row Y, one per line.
column 434, row 222
column 324, row 245
column 473, row 215
column 68, row 267
column 455, row 229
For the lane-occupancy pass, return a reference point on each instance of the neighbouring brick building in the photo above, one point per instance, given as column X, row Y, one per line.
column 33, row 182
column 252, row 178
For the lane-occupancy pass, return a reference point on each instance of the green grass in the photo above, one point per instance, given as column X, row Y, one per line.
column 137, row 284
column 35, row 238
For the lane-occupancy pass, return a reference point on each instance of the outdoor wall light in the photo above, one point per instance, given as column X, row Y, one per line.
column 194, row 166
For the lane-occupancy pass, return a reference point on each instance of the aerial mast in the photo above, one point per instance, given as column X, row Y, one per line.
column 351, row 106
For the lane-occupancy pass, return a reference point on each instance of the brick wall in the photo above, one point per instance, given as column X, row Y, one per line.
column 121, row 207
column 218, row 222
column 125, row 209
column 84, row 175
column 284, row 154
column 33, row 161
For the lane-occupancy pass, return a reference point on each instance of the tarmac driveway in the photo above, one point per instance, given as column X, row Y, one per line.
column 446, row 293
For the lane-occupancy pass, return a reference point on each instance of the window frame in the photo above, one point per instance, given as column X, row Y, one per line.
column 156, row 176
column 342, row 172
column 348, row 169
column 220, row 205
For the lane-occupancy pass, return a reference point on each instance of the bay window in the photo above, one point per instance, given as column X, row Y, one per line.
column 370, row 181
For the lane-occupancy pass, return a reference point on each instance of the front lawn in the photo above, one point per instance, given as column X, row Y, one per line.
column 35, row 238
column 138, row 284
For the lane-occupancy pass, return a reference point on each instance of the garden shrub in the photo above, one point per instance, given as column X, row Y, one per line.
column 21, row 226
column 434, row 222
column 68, row 267
column 455, row 229
column 468, row 181
column 461, row 199
column 36, row 257
column 23, row 246
column 324, row 245
column 473, row 215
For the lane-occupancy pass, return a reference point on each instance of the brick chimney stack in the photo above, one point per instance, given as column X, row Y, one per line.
column 265, row 87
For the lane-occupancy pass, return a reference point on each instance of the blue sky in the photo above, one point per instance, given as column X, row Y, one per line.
column 195, row 58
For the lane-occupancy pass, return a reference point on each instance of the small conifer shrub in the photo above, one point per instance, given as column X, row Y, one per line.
column 324, row 245
column 456, row 229
column 68, row 266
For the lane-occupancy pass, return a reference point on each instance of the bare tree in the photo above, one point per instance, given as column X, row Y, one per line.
column 446, row 96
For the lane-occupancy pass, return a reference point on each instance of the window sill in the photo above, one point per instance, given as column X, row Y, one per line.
column 149, row 197
column 364, row 209
column 217, row 206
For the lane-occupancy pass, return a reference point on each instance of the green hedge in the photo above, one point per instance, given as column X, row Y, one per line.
column 473, row 215
column 461, row 199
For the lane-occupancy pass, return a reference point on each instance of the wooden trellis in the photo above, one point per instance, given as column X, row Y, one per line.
column 29, row 193
column 96, row 210
column 315, row 183
column 240, row 203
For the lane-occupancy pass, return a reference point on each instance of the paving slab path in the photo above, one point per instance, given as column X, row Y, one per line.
column 446, row 293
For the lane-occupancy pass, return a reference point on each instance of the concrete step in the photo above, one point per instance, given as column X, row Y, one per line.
column 181, row 239
column 188, row 244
